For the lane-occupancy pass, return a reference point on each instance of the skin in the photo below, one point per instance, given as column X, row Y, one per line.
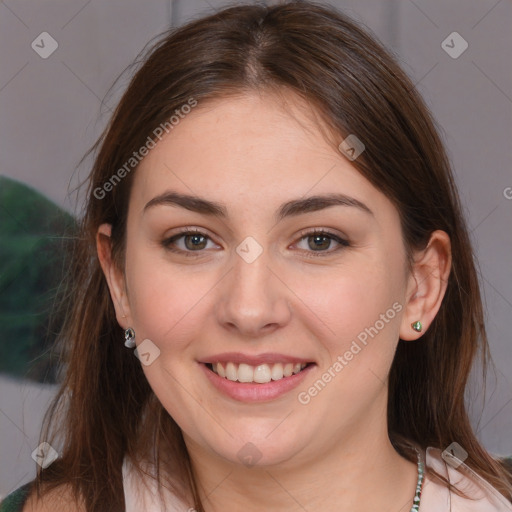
column 253, row 153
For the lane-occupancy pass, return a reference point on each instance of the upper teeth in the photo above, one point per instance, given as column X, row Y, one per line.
column 261, row 374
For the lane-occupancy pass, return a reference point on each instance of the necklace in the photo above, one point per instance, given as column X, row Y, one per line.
column 419, row 485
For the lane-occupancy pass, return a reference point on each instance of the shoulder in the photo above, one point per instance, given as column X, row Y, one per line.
column 56, row 500
column 15, row 501
column 141, row 491
column 480, row 494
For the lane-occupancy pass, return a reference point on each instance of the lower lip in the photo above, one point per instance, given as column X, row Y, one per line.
column 253, row 392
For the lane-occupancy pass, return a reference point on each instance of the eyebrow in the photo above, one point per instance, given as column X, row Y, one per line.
column 289, row 209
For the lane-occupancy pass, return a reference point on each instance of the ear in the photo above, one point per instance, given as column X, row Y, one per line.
column 427, row 284
column 114, row 276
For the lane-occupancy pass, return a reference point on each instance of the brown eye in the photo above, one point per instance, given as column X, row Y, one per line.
column 320, row 241
column 195, row 241
column 187, row 242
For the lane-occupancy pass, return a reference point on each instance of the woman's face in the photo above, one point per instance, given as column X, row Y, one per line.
column 257, row 290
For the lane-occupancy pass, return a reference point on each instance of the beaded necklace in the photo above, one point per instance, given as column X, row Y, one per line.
column 419, row 485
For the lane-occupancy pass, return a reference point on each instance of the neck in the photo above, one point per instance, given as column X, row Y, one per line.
column 355, row 475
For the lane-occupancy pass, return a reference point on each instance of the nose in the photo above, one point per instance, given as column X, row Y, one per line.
column 254, row 300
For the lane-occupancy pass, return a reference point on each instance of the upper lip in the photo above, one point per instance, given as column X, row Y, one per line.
column 253, row 360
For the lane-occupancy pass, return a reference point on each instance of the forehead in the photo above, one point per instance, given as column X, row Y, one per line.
column 258, row 148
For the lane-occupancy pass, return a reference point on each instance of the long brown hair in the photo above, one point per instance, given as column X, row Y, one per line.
column 356, row 87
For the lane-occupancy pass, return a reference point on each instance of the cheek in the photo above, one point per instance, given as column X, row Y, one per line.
column 162, row 297
column 351, row 302
column 360, row 315
column 166, row 306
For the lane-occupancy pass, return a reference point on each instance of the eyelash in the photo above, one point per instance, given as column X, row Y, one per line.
column 167, row 243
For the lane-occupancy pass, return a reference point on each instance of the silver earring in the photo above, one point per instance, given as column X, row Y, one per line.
column 129, row 338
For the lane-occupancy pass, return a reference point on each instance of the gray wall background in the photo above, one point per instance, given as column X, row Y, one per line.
column 52, row 111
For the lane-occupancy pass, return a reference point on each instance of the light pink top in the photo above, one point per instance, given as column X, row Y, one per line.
column 434, row 498
column 437, row 498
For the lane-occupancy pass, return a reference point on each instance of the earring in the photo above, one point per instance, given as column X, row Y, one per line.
column 129, row 338
column 417, row 326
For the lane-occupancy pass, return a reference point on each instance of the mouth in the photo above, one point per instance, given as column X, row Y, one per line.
column 255, row 378
column 256, row 374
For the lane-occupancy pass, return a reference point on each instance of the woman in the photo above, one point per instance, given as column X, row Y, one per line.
column 273, row 230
